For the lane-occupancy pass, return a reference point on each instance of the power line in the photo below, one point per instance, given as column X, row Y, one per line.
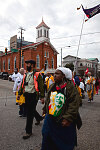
column 80, row 44
column 67, row 36
column 76, row 35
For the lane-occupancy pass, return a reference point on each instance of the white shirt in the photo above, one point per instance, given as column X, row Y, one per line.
column 17, row 82
column 50, row 82
column 81, row 85
column 14, row 76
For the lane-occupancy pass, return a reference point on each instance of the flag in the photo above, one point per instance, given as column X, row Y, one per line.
column 91, row 11
column 86, row 72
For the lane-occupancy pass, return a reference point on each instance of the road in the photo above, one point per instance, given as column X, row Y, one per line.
column 12, row 126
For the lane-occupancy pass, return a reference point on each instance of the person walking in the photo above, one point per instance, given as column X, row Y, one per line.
column 15, row 75
column 21, row 101
column 97, row 85
column 90, row 87
column 61, row 109
column 49, row 80
column 82, row 88
column 31, row 86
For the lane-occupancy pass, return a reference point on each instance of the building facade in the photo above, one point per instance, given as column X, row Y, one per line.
column 15, row 42
column 43, row 52
column 83, row 64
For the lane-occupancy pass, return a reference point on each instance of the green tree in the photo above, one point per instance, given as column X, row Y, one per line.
column 70, row 66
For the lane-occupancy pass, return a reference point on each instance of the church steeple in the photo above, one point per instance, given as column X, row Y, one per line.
column 42, row 32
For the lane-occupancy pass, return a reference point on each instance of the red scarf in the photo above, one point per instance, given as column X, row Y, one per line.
column 62, row 86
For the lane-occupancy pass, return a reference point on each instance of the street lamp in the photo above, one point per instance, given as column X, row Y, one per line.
column 61, row 54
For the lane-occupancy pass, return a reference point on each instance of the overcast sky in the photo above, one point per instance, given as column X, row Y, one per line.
column 63, row 18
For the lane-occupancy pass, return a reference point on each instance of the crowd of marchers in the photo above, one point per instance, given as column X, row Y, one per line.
column 61, row 94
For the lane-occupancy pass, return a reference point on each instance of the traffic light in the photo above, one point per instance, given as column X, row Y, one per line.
column 5, row 51
column 22, row 53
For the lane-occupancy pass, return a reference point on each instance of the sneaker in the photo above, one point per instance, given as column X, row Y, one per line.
column 89, row 101
column 20, row 115
column 26, row 136
column 37, row 123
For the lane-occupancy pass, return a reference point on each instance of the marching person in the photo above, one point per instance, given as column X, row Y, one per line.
column 31, row 86
column 49, row 80
column 77, row 83
column 21, row 102
column 82, row 88
column 97, row 85
column 90, row 86
column 15, row 74
column 61, row 109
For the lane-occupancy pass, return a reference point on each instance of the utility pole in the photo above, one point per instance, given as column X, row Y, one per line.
column 61, row 57
column 20, row 52
column 76, row 61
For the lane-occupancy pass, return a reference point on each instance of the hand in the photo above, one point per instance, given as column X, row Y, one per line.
column 43, row 114
column 18, row 97
column 42, row 100
column 65, row 123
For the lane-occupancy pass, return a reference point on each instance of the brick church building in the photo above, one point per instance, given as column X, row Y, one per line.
column 43, row 52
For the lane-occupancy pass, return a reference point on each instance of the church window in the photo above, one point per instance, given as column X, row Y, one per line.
column 8, row 64
column 44, row 33
column 14, row 62
column 38, row 61
column 52, row 62
column 4, row 65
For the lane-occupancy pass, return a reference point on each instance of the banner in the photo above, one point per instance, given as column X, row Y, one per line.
column 91, row 11
column 86, row 72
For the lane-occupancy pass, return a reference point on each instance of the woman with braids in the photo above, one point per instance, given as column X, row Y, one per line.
column 61, row 113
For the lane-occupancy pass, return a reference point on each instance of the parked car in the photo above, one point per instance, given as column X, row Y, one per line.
column 4, row 75
column 1, row 75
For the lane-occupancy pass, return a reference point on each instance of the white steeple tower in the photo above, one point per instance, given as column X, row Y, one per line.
column 42, row 32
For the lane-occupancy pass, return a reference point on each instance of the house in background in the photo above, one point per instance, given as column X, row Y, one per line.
column 83, row 64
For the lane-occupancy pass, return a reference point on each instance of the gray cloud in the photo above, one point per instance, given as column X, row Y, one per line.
column 60, row 15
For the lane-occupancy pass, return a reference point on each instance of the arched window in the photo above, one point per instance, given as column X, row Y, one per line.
column 47, row 34
column 38, row 61
column 22, row 61
column 9, row 64
column 41, row 33
column 47, row 54
column 52, row 62
column 44, row 33
column 38, row 33
column 4, row 65
column 14, row 62
column 47, row 64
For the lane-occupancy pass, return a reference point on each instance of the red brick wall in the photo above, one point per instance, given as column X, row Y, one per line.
column 29, row 53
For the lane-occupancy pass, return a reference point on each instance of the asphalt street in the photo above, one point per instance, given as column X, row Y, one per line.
column 12, row 127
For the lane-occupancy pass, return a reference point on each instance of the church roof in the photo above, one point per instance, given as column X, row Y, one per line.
column 42, row 24
column 38, row 43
